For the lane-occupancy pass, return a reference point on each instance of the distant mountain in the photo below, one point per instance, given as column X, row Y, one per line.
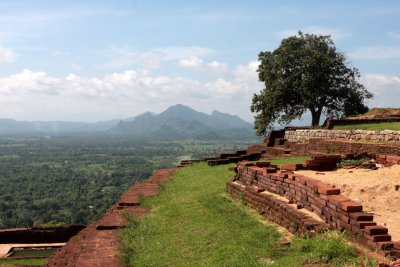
column 182, row 122
column 10, row 126
column 176, row 123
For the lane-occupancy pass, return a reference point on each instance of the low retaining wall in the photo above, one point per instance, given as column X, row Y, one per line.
column 304, row 136
column 276, row 210
column 345, row 147
column 334, row 209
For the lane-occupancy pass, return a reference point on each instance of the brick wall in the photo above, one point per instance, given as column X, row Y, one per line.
column 344, row 147
column 303, row 136
column 276, row 210
column 334, row 209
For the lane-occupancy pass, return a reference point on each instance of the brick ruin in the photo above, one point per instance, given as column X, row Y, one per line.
column 283, row 197
column 98, row 243
column 304, row 135
column 254, row 184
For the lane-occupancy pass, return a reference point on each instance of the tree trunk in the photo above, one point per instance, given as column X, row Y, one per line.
column 316, row 115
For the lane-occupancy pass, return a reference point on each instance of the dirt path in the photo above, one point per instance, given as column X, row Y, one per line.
column 374, row 189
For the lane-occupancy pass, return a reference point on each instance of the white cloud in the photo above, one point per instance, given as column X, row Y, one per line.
column 7, row 55
column 376, row 52
column 38, row 95
column 386, row 89
column 125, row 57
column 192, row 62
column 198, row 64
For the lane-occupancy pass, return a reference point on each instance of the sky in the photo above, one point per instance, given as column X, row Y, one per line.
column 101, row 60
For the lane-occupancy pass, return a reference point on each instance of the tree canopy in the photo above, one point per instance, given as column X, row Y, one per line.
column 306, row 73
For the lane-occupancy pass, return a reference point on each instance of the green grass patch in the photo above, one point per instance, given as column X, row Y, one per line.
column 394, row 126
column 290, row 160
column 195, row 223
column 22, row 262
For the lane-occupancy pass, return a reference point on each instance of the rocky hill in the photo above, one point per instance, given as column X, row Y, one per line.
column 182, row 122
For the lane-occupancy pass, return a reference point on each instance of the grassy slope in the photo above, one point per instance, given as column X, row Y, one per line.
column 395, row 126
column 195, row 223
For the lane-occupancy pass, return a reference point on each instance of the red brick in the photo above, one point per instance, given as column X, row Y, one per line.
column 378, row 238
column 254, row 170
column 395, row 253
column 246, row 163
column 396, row 245
column 393, row 159
column 291, row 167
column 331, row 206
column 328, row 190
column 350, row 206
column 362, row 224
column 330, row 212
column 387, row 245
column 356, row 229
column 343, row 218
column 376, row 230
column 270, row 170
column 336, row 199
column 321, row 202
column 361, row 216
column 263, row 164
column 313, row 184
column 344, row 225
column 316, row 209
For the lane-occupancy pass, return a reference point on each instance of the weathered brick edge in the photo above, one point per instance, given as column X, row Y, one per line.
column 334, row 209
column 276, row 210
column 98, row 243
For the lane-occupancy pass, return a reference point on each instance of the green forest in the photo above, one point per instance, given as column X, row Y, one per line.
column 74, row 180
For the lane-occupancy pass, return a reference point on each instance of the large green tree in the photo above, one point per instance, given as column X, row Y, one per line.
column 306, row 73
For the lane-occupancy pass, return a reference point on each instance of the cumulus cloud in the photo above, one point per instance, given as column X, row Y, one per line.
column 125, row 57
column 376, row 52
column 7, row 55
column 197, row 63
column 192, row 62
column 386, row 89
column 123, row 94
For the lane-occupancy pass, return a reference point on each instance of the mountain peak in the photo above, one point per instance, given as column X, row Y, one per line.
column 179, row 107
column 180, row 121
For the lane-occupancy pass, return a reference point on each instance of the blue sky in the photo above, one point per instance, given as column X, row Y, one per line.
column 99, row 60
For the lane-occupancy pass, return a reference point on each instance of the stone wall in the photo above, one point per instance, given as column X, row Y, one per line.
column 303, row 136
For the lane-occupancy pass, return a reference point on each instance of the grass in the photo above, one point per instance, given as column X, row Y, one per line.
column 394, row 126
column 195, row 223
column 290, row 160
column 20, row 262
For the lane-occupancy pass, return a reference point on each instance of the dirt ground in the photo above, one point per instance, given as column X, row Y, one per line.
column 374, row 189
